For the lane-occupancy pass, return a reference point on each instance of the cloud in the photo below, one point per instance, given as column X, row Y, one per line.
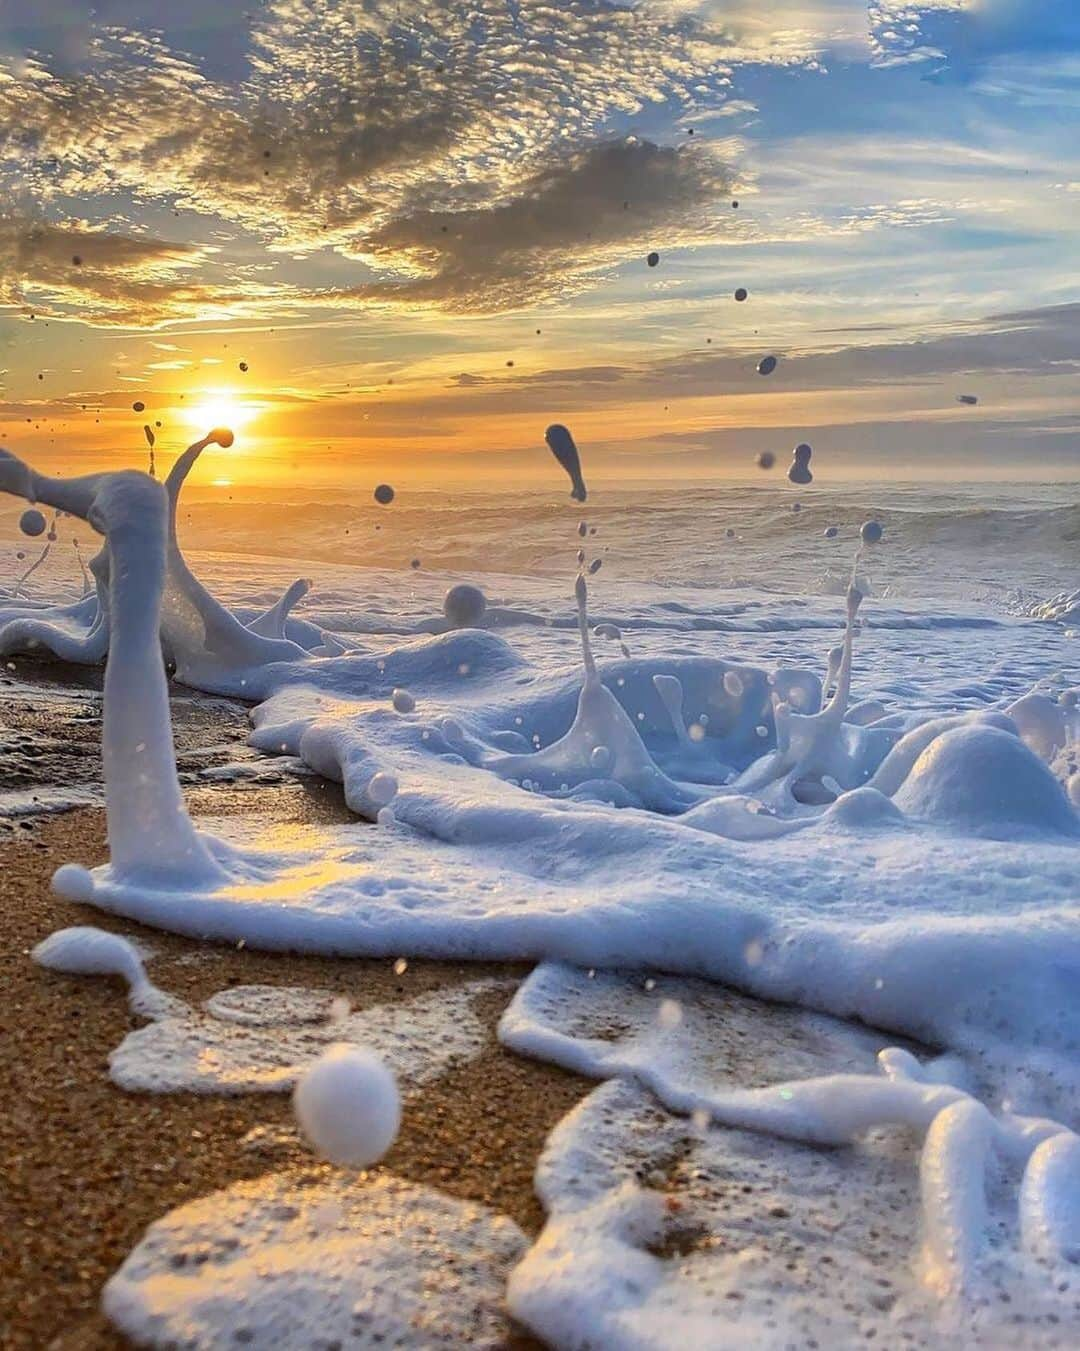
column 113, row 279
column 554, row 230
column 1024, row 50
column 103, row 273
column 997, row 351
column 373, row 127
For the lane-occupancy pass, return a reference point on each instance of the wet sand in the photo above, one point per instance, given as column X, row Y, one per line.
column 86, row 1167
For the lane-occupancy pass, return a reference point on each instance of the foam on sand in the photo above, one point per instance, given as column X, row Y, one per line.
column 665, row 1233
column 262, row 1038
column 278, row 1260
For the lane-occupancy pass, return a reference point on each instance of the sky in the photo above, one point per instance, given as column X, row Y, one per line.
column 394, row 239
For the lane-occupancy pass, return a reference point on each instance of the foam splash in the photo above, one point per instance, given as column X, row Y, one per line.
column 150, row 834
column 480, row 865
column 561, row 444
column 602, row 752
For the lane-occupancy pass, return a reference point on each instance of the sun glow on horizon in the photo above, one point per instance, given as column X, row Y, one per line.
column 220, row 408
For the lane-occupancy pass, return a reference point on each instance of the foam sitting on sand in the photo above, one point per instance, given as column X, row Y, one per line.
column 261, row 1038
column 86, row 951
column 665, row 1232
column 661, row 1231
column 276, row 1261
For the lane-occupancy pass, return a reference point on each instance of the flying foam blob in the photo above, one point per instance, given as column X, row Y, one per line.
column 348, row 1106
column 766, row 460
column 653, row 259
column 32, row 522
column 384, row 494
column 967, row 398
column 766, row 365
column 561, row 444
column 464, row 606
column 741, row 293
column 871, row 532
column 831, row 531
column 800, row 464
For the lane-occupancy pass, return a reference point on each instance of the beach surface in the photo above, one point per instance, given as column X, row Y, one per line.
column 89, row 1166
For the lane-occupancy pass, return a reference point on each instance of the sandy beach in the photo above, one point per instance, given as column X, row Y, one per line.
column 87, row 1166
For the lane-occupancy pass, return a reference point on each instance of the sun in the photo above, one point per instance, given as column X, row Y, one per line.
column 219, row 408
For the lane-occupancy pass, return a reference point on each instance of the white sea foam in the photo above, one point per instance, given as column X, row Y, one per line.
column 261, row 1038
column 665, row 1232
column 870, row 888
column 912, row 865
column 284, row 1260
column 662, row 1232
column 348, row 1106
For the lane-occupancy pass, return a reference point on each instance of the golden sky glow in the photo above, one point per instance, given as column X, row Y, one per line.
column 421, row 269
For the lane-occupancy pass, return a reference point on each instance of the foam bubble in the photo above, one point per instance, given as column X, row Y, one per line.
column 381, row 788
column 348, row 1106
column 74, row 883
